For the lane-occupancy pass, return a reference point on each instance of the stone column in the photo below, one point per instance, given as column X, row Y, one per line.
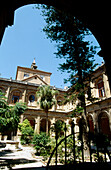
column 37, row 125
column 21, row 118
column 95, row 119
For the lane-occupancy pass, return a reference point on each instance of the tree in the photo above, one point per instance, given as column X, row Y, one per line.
column 9, row 115
column 42, row 144
column 26, row 130
column 46, row 100
column 69, row 34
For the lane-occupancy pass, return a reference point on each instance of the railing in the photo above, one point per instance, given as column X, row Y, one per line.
column 86, row 145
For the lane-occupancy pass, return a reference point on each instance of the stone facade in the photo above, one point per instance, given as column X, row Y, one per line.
column 24, row 89
column 99, row 112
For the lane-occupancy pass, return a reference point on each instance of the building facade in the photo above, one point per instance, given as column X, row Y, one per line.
column 99, row 112
column 24, row 89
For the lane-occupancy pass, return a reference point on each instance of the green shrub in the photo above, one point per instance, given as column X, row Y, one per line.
column 27, row 132
column 42, row 144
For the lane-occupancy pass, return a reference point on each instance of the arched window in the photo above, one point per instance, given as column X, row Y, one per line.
column 31, row 98
column 15, row 96
column 103, row 122
column 59, row 102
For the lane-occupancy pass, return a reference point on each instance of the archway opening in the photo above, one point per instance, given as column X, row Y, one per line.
column 32, row 121
column 24, row 43
column 43, row 125
column 103, row 122
column 90, row 123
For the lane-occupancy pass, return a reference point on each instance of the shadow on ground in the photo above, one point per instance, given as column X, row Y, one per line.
column 80, row 166
column 6, row 161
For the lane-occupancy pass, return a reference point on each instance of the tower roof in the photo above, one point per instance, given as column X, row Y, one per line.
column 33, row 65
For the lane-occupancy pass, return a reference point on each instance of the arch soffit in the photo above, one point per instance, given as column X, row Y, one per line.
column 44, row 119
column 60, row 97
column 93, row 22
column 102, row 112
column 15, row 89
column 29, row 117
column 66, row 6
column 56, row 3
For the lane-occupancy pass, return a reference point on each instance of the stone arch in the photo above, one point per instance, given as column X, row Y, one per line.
column 31, row 120
column 82, row 11
column 90, row 123
column 103, row 123
column 16, row 96
column 72, row 9
column 103, row 111
column 59, row 105
column 59, row 98
column 43, row 125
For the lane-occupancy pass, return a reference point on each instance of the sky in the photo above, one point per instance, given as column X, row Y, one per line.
column 25, row 41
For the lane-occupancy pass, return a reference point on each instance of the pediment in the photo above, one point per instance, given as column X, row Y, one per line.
column 35, row 79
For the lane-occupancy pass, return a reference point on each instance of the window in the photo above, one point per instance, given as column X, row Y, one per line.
column 26, row 75
column 15, row 99
column 59, row 100
column 15, row 96
column 59, row 103
column 42, row 77
column 31, row 98
column 101, row 89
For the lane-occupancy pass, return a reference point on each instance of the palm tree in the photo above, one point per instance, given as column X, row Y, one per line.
column 46, row 100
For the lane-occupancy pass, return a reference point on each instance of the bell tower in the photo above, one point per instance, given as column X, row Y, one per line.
column 33, row 65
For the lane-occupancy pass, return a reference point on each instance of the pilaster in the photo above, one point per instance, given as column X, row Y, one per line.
column 106, row 85
column 24, row 96
column 8, row 93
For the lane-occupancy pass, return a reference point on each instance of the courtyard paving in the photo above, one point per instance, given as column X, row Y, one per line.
column 20, row 159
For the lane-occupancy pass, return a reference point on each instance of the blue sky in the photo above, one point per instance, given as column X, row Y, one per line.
column 25, row 41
